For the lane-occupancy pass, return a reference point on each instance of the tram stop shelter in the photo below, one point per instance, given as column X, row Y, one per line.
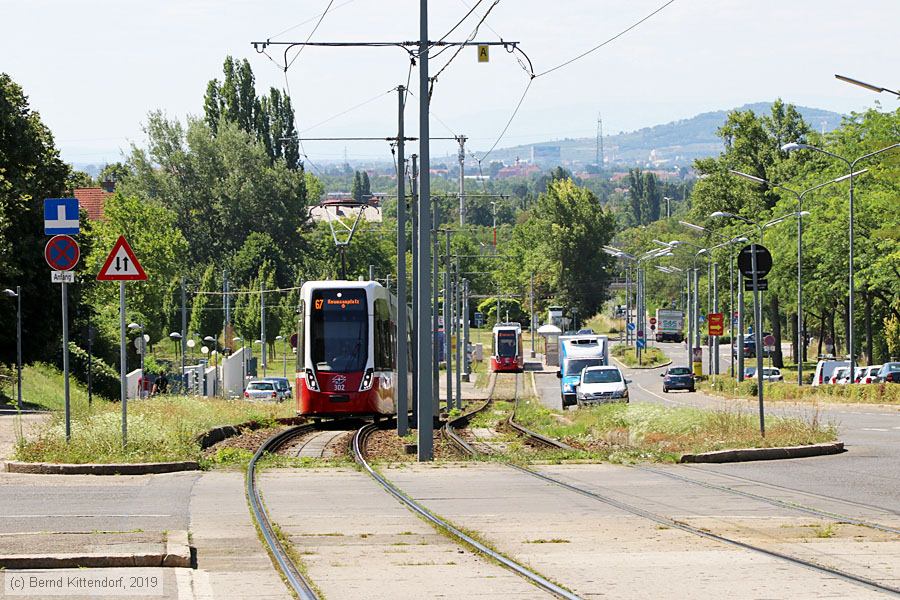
column 550, row 340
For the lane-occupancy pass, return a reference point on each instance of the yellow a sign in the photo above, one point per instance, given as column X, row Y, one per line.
column 483, row 55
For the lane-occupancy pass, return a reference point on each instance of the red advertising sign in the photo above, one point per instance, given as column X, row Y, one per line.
column 716, row 323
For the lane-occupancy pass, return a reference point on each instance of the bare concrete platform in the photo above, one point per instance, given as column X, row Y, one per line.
column 357, row 541
column 601, row 551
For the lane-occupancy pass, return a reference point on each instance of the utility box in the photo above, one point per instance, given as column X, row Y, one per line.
column 550, row 335
column 478, row 352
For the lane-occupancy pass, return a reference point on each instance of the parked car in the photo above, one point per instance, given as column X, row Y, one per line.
column 889, row 373
column 868, row 374
column 282, row 385
column 601, row 384
column 749, row 372
column 749, row 346
column 678, row 378
column 769, row 374
column 840, row 376
column 260, row 389
column 587, row 331
column 825, row 369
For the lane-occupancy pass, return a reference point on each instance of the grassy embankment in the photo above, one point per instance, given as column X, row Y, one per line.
column 882, row 393
column 650, row 356
column 162, row 428
column 649, row 432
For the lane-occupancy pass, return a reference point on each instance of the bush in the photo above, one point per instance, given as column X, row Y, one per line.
column 104, row 378
column 881, row 393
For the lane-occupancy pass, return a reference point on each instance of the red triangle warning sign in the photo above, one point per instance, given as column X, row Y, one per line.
column 122, row 264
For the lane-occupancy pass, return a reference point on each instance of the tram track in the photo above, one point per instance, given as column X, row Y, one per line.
column 456, row 438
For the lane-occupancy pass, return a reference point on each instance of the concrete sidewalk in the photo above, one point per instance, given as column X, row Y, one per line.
column 601, row 551
column 357, row 541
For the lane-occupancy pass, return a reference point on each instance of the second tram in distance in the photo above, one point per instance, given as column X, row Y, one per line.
column 506, row 348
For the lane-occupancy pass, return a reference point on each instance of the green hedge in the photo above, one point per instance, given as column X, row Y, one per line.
column 880, row 393
column 104, row 378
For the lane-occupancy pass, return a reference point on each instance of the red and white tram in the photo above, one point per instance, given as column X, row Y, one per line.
column 506, row 348
column 346, row 363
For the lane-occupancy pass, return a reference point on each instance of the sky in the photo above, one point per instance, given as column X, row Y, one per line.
column 95, row 68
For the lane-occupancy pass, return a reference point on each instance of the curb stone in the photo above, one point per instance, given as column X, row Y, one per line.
column 177, row 554
column 750, row 454
column 101, row 469
column 624, row 366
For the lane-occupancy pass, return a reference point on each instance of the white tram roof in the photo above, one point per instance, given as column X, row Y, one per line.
column 499, row 326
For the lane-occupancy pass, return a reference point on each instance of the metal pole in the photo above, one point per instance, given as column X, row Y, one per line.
column 123, row 381
column 731, row 306
column 183, row 337
column 262, row 325
column 758, row 336
column 416, row 285
column 850, row 312
column 456, row 311
column 143, row 379
column 715, row 340
column 739, row 342
column 531, row 322
column 371, row 272
column 65, row 328
column 425, row 416
column 435, row 347
column 627, row 304
column 640, row 308
column 801, row 339
column 284, row 357
column 689, row 315
column 462, row 184
column 19, row 346
column 467, row 365
column 448, row 322
column 402, row 320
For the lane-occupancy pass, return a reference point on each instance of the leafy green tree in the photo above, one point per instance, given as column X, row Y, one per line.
column 30, row 170
column 221, row 187
column 356, row 190
column 160, row 247
column 366, row 187
column 206, row 314
column 258, row 248
column 270, row 119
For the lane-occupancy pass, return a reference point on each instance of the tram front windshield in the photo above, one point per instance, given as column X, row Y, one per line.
column 507, row 343
column 339, row 330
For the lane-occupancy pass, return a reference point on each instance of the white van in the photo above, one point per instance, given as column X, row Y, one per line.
column 825, row 369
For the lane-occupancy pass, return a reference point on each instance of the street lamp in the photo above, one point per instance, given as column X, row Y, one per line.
column 18, row 296
column 868, row 86
column 142, row 350
column 801, row 343
column 851, row 164
column 668, row 212
column 262, row 350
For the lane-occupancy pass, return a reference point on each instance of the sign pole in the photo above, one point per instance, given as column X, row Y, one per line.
column 123, row 382
column 757, row 315
column 65, row 328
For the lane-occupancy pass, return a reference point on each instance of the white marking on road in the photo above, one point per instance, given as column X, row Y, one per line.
column 876, row 429
column 660, row 397
column 44, row 516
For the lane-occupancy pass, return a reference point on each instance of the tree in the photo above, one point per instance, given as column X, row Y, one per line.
column 206, row 316
column 356, row 191
column 366, row 187
column 30, row 170
column 150, row 230
column 221, row 187
column 270, row 119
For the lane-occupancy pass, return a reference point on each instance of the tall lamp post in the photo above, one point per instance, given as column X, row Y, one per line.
column 801, row 338
column 176, row 339
column 851, row 164
column 283, row 340
column 142, row 382
column 18, row 296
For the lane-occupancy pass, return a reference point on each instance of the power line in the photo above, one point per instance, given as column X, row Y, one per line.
column 604, row 43
column 460, row 48
column 309, row 20
column 351, row 109
column 460, row 22
column 287, row 65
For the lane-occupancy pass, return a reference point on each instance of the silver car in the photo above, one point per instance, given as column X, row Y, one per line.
column 260, row 389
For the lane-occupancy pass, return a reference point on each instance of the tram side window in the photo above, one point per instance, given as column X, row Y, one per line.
column 384, row 347
column 301, row 327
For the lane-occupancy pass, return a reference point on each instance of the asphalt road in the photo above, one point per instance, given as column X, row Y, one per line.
column 868, row 473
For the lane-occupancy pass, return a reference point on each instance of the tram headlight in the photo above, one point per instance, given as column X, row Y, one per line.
column 311, row 382
column 367, row 380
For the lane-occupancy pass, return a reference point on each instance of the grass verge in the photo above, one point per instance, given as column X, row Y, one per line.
column 162, row 428
column 638, row 432
column 650, row 357
column 875, row 393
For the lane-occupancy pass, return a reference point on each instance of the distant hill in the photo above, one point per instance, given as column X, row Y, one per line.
column 677, row 143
